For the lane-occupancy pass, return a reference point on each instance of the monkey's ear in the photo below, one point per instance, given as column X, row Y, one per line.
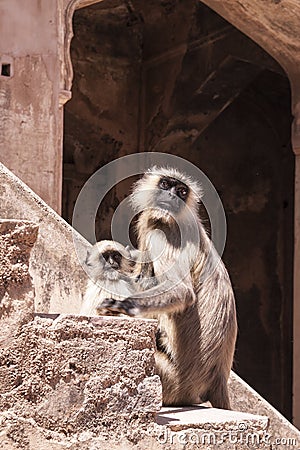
column 132, row 259
column 87, row 258
column 152, row 169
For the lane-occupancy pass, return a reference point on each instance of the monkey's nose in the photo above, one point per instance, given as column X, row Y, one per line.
column 172, row 192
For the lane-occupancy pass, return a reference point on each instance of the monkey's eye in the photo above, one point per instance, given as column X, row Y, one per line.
column 182, row 192
column 117, row 257
column 164, row 184
column 104, row 255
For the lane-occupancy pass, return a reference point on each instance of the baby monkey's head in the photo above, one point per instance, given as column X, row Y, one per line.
column 109, row 260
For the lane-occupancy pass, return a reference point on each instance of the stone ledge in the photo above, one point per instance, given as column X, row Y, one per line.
column 58, row 276
column 213, row 419
column 244, row 398
column 19, row 433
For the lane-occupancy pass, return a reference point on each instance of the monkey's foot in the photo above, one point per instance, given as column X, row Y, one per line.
column 115, row 307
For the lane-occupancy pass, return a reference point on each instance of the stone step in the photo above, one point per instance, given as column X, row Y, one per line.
column 204, row 427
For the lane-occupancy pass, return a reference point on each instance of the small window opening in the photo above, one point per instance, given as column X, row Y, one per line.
column 5, row 70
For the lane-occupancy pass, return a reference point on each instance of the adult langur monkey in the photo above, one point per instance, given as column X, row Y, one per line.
column 192, row 297
column 109, row 265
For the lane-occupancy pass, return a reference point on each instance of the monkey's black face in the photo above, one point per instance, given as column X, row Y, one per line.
column 113, row 259
column 171, row 194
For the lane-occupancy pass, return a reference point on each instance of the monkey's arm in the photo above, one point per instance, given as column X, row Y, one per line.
column 144, row 270
column 168, row 296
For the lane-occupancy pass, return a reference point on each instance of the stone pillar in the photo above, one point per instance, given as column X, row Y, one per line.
column 16, row 289
column 296, row 362
column 296, row 375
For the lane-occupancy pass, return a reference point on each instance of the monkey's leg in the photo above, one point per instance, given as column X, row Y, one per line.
column 168, row 376
column 218, row 395
column 175, row 391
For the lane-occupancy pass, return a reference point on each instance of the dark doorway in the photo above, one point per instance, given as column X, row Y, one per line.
column 175, row 77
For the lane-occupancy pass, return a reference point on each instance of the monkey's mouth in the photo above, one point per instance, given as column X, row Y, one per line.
column 167, row 206
column 164, row 205
column 112, row 267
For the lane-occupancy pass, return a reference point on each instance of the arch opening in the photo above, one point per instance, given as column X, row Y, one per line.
column 165, row 77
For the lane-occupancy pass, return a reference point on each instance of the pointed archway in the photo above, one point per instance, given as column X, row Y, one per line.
column 203, row 90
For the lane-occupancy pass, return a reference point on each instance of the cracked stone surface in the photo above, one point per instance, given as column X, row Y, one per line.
column 71, row 375
column 16, row 289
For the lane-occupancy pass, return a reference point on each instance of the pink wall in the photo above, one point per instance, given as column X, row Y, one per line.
column 31, row 121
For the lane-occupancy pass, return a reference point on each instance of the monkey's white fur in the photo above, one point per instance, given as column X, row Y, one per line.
column 105, row 281
column 192, row 295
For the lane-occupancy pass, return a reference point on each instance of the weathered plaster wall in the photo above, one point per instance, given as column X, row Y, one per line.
column 31, row 121
column 196, row 87
column 278, row 19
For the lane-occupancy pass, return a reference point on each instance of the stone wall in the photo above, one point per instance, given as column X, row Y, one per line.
column 31, row 118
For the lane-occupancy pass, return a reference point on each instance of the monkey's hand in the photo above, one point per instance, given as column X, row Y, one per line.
column 110, row 306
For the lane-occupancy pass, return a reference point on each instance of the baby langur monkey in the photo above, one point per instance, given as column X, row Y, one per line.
column 109, row 265
column 191, row 296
